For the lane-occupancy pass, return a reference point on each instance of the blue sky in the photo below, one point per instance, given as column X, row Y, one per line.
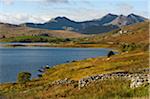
column 39, row 11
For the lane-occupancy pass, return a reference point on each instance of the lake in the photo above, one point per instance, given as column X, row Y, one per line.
column 31, row 59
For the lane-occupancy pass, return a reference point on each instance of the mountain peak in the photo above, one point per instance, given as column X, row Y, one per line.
column 136, row 17
column 107, row 18
column 61, row 18
column 109, row 15
column 132, row 14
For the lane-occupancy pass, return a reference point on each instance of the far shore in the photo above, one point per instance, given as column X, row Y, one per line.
column 39, row 44
column 45, row 44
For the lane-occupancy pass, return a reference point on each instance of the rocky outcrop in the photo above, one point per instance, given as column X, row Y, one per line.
column 139, row 81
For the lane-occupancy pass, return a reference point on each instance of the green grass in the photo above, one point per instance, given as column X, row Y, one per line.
column 117, row 88
column 35, row 39
column 110, row 89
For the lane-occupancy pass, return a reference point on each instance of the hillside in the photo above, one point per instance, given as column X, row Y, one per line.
column 9, row 31
column 136, row 35
column 62, row 81
column 132, row 34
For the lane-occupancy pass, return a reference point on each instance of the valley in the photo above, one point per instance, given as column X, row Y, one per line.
column 74, row 49
column 61, row 81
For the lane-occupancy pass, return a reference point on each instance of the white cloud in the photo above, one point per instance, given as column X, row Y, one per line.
column 124, row 8
column 56, row 1
column 22, row 18
column 73, row 14
column 18, row 18
column 7, row 2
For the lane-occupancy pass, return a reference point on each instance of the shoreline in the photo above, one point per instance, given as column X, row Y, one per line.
column 17, row 44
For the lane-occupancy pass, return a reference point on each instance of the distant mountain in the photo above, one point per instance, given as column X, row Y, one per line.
column 105, row 24
column 58, row 23
column 135, row 18
column 127, row 20
column 98, row 25
column 107, row 18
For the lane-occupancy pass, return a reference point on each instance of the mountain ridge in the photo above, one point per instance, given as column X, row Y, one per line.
column 106, row 23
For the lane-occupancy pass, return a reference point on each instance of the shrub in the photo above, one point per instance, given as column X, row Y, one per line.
column 24, row 77
column 87, row 43
column 128, row 47
column 110, row 53
column 145, row 47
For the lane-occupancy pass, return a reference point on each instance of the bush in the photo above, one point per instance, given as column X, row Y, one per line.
column 110, row 53
column 128, row 47
column 24, row 77
column 132, row 46
column 145, row 47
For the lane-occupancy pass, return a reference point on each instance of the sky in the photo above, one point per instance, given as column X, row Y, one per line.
column 40, row 11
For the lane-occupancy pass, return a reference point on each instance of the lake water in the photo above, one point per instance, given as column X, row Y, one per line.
column 31, row 59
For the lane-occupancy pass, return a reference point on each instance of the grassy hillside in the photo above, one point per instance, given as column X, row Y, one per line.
column 136, row 36
column 12, row 31
column 137, row 33
column 32, row 39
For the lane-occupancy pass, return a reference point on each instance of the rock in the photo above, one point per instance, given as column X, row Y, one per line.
column 63, row 81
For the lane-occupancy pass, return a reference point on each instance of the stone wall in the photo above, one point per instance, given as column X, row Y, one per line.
column 136, row 79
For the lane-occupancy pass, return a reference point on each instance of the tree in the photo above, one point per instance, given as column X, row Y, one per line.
column 24, row 77
column 110, row 53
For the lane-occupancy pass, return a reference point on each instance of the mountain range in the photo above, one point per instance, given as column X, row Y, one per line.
column 105, row 24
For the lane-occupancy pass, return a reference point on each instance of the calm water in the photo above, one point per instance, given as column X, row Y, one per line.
column 30, row 59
